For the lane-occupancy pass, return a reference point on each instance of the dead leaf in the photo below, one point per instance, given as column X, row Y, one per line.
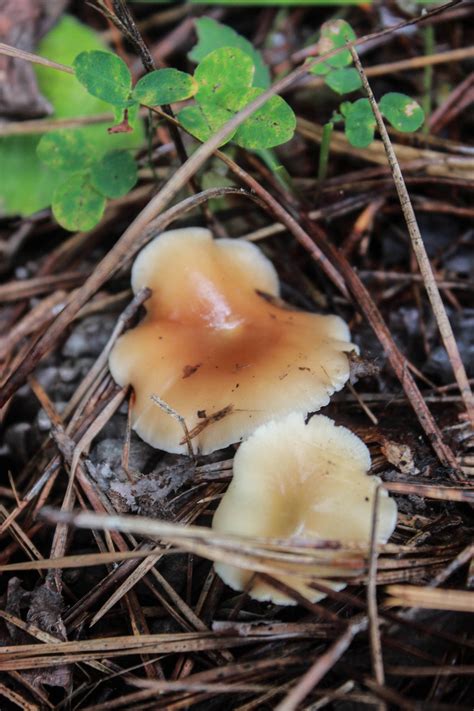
column 400, row 455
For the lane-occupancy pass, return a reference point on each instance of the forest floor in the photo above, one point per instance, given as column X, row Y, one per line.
column 124, row 622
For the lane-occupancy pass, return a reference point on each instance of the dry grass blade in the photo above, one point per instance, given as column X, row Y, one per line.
column 17, row 699
column 34, row 656
column 434, row 163
column 429, row 599
column 442, row 493
column 34, row 58
column 42, row 636
column 262, row 555
column 465, row 670
column 372, row 611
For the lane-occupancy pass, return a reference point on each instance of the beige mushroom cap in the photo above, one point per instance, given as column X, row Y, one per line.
column 292, row 479
column 209, row 342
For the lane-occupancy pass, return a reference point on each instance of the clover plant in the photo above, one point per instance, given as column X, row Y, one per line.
column 229, row 75
column 402, row 112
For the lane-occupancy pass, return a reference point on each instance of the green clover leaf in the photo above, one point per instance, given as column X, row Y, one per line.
column 343, row 80
column 402, row 112
column 76, row 204
column 271, row 125
column 164, row 86
column 203, row 120
column 360, row 123
column 214, row 35
column 64, row 150
column 105, row 76
column 228, row 68
column 334, row 34
column 115, row 174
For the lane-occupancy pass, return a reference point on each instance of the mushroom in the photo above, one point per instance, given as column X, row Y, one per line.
column 293, row 479
column 217, row 351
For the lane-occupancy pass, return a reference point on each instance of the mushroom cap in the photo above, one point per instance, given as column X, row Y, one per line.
column 218, row 353
column 306, row 480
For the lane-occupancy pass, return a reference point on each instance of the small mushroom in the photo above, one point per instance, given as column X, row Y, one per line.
column 293, row 479
column 215, row 350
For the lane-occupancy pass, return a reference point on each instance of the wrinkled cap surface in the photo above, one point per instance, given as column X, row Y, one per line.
column 217, row 352
column 292, row 479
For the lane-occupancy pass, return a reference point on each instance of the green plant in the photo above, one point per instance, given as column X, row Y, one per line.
column 222, row 84
column 107, row 76
column 79, row 199
column 69, row 100
column 224, row 78
column 401, row 111
column 214, row 35
column 230, row 74
column 89, row 177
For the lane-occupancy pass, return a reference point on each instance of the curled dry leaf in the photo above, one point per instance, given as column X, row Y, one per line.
column 400, row 455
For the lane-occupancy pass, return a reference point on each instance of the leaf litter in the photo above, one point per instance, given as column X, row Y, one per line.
column 140, row 619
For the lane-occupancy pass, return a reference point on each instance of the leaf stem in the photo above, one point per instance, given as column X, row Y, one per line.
column 324, row 152
column 429, row 46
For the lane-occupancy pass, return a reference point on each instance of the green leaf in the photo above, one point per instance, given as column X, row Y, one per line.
column 279, row 171
column 115, row 174
column 64, row 150
column 76, row 204
column 320, row 69
column 344, row 80
column 221, row 72
column 345, row 107
column 19, row 161
column 203, row 123
column 402, row 112
column 104, row 75
column 334, row 34
column 164, row 86
column 271, row 125
column 360, row 123
column 193, row 120
column 214, row 35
